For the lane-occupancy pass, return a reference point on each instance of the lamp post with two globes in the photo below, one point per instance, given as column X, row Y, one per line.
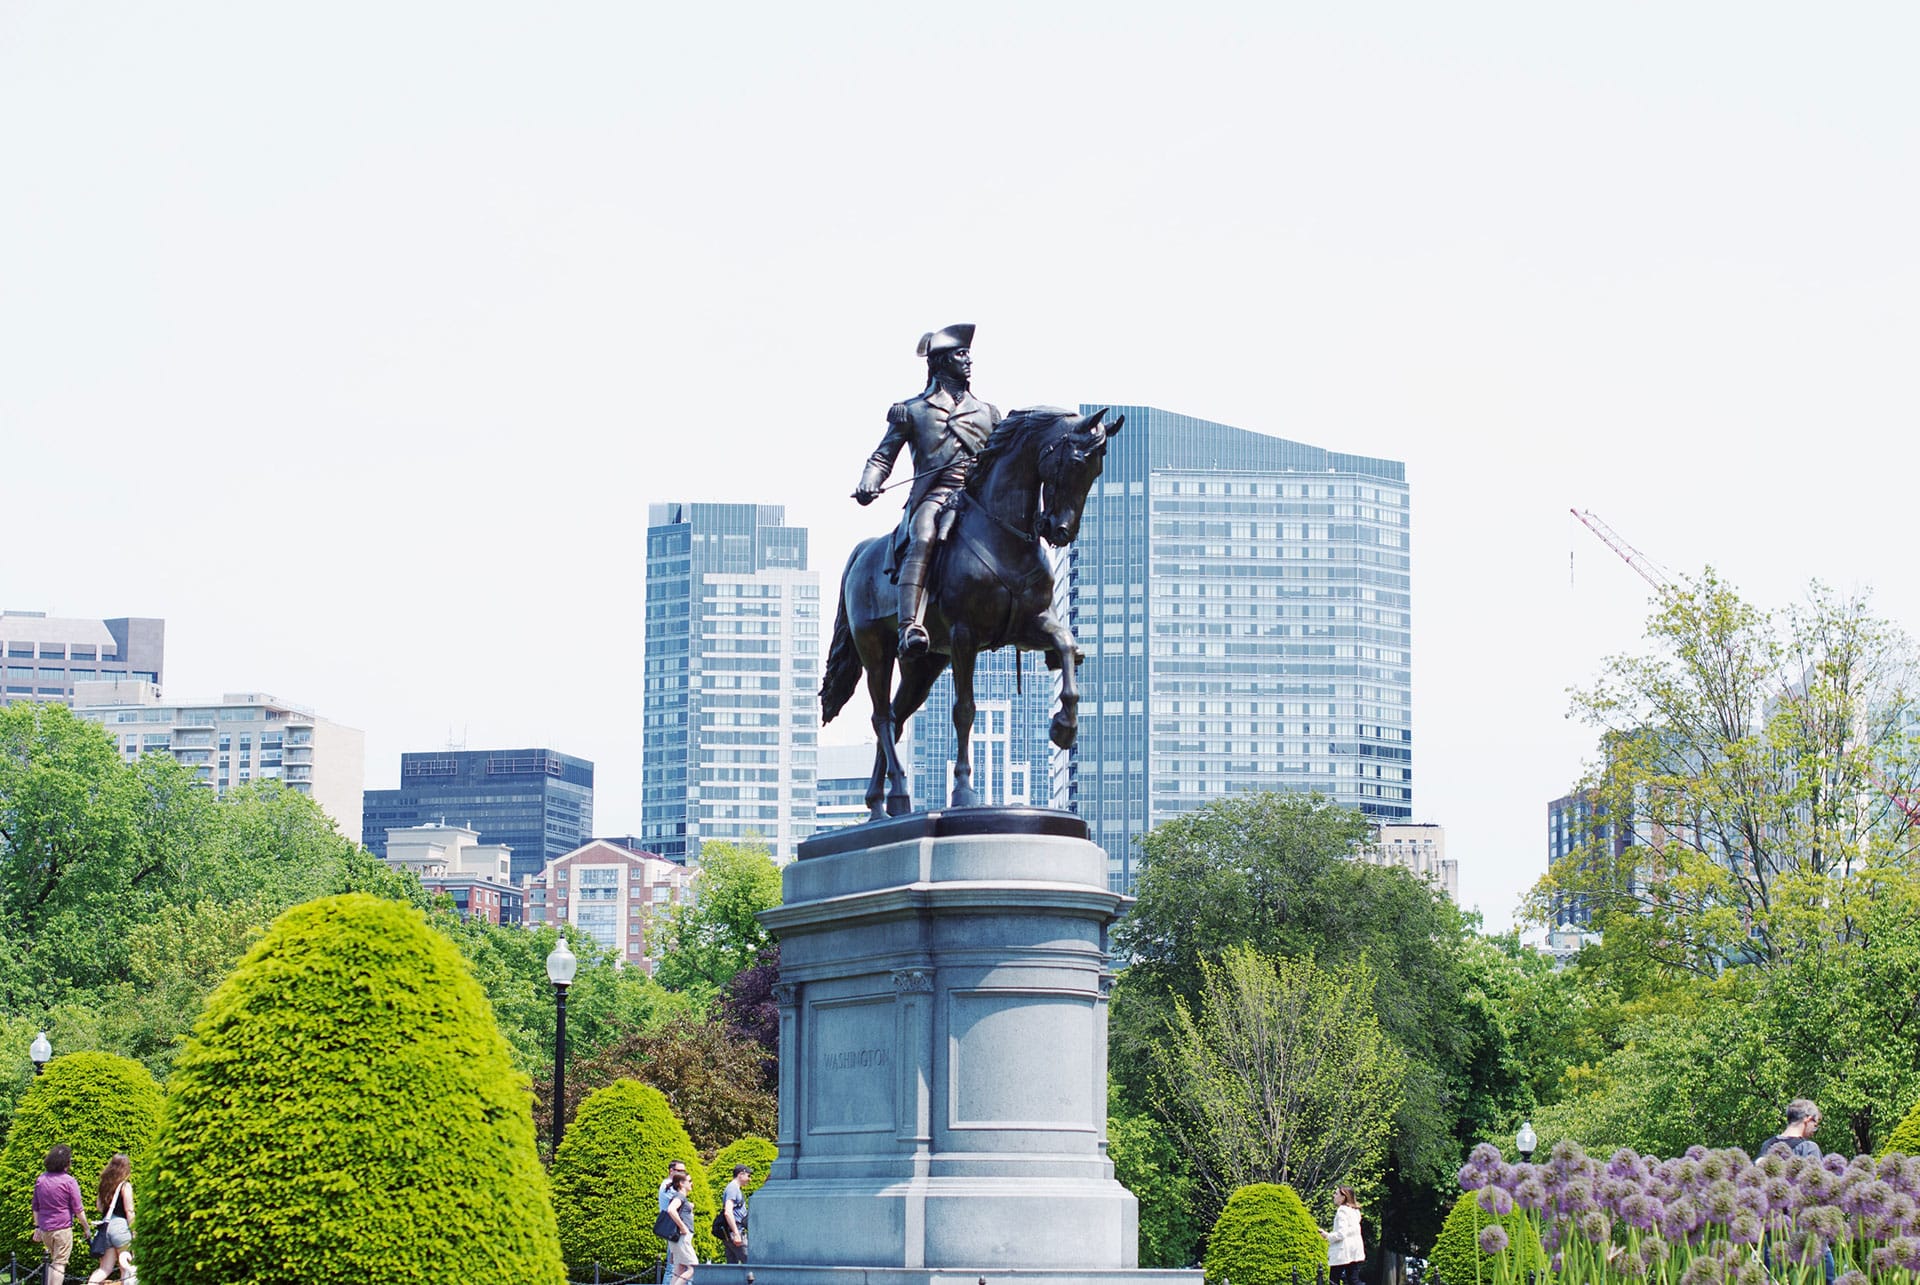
column 561, row 965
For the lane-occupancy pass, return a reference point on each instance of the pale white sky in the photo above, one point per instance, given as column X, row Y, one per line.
column 354, row 339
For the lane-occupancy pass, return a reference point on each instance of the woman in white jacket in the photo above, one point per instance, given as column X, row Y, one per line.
column 1345, row 1253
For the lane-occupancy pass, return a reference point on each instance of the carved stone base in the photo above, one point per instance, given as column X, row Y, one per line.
column 943, row 1052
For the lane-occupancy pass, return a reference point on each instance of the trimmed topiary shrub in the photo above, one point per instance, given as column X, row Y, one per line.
column 97, row 1104
column 607, row 1175
column 753, row 1151
column 1906, row 1135
column 1456, row 1251
column 345, row 1112
column 1263, row 1237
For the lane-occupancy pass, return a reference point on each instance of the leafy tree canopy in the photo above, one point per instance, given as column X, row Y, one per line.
column 717, row 935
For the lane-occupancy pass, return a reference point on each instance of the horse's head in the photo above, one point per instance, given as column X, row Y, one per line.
column 1069, row 461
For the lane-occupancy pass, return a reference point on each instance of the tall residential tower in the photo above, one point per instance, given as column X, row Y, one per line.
column 732, row 663
column 1243, row 604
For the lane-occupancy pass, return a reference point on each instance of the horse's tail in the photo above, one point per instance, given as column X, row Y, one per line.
column 843, row 659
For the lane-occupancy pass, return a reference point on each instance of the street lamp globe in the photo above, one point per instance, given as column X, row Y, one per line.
column 41, row 1052
column 1527, row 1140
column 561, row 964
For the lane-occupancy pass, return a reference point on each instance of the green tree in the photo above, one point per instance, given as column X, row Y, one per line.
column 1264, row 1236
column 97, row 1104
column 1283, row 1074
column 606, row 1177
column 1457, row 1258
column 1147, row 1162
column 1905, row 1139
column 345, row 1110
column 717, row 935
column 711, row 1079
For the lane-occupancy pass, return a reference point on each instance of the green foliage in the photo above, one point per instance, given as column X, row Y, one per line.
column 97, row 1104
column 345, row 1111
column 757, row 1153
column 1273, row 872
column 1160, row 1176
column 1905, row 1138
column 1283, row 1075
column 1264, row 1237
column 716, row 935
column 1456, row 1253
column 607, row 1175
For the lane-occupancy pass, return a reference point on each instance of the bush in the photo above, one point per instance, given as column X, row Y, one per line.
column 97, row 1104
column 606, row 1181
column 1147, row 1162
column 1263, row 1237
column 1906, row 1134
column 1456, row 1252
column 752, row 1151
column 346, row 1111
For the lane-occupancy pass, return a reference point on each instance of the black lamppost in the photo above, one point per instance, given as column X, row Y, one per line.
column 560, row 969
column 41, row 1052
column 1526, row 1142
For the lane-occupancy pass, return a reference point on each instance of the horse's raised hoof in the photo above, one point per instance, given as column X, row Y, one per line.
column 898, row 805
column 964, row 797
column 1061, row 732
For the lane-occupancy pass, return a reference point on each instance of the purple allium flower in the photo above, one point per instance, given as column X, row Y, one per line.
column 1722, row 1200
column 1696, row 1152
column 1486, row 1157
column 1687, row 1173
column 1567, row 1154
column 1888, row 1167
column 1637, row 1209
column 1906, row 1252
column 1495, row 1201
column 1874, row 1197
column 1753, row 1202
column 1825, row 1221
column 1493, row 1240
column 1751, row 1272
column 1780, row 1194
column 1818, row 1186
column 1737, row 1158
column 1531, row 1194
column 1774, row 1163
column 1901, row 1208
column 1622, row 1162
column 1550, row 1238
column 1863, row 1163
column 1714, row 1166
column 1596, row 1226
column 1882, row 1260
column 1578, row 1198
column 1682, row 1216
column 1745, row 1229
column 1834, row 1163
column 1471, row 1179
column 1853, row 1277
column 1701, row 1271
column 1652, row 1250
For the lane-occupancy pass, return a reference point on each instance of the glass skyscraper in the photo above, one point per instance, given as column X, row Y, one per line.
column 1242, row 601
column 539, row 802
column 730, row 718
column 1010, row 750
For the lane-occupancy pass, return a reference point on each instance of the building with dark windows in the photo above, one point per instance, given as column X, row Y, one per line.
column 1242, row 601
column 729, row 715
column 538, row 802
column 1009, row 746
column 42, row 656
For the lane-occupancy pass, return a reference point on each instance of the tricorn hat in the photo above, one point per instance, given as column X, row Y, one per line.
column 947, row 340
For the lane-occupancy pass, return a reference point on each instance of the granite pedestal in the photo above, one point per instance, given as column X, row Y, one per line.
column 943, row 1061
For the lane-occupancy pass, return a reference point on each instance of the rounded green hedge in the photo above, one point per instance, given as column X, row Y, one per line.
column 1263, row 1237
column 97, row 1104
column 606, row 1181
column 753, row 1151
column 1456, row 1251
column 346, row 1111
column 1906, row 1135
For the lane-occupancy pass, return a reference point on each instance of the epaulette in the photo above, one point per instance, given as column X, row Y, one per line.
column 897, row 415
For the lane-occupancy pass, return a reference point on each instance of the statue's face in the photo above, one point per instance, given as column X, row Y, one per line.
column 960, row 362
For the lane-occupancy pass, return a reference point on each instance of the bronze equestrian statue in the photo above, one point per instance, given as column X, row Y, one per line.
column 965, row 571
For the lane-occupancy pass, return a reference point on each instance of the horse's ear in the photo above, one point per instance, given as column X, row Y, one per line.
column 1092, row 421
column 1119, row 422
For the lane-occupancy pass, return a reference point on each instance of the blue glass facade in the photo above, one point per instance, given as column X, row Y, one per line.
column 538, row 802
column 1243, row 603
column 730, row 719
column 1010, row 750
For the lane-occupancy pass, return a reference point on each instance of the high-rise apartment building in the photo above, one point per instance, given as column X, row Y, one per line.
column 840, row 787
column 1419, row 847
column 730, row 718
column 1242, row 601
column 538, row 802
column 1009, row 746
column 44, row 656
column 240, row 738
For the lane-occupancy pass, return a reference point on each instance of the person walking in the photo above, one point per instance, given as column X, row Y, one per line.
column 56, row 1205
column 1803, row 1120
column 732, row 1222
column 1345, row 1252
column 680, row 1250
column 116, row 1210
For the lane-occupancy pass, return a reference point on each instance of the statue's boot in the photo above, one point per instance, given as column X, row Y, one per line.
column 913, row 602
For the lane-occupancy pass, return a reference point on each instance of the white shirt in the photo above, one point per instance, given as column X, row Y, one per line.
column 1343, row 1242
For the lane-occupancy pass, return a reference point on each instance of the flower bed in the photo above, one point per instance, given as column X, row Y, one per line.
column 1708, row 1216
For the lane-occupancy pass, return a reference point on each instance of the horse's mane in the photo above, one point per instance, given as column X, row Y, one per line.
column 1017, row 425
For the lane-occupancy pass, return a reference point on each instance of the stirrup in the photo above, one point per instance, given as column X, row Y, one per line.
column 913, row 639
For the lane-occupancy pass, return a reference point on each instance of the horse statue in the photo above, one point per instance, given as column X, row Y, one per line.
column 992, row 587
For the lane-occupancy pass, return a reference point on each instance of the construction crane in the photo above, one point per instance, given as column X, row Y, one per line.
column 1647, row 569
